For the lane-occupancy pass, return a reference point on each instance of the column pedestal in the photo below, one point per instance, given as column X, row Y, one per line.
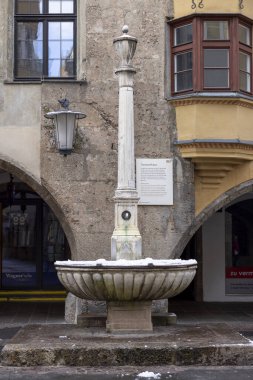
column 126, row 242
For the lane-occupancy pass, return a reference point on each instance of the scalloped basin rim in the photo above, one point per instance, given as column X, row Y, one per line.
column 127, row 264
column 128, row 282
column 147, row 268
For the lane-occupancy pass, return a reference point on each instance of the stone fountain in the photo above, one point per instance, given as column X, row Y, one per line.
column 128, row 283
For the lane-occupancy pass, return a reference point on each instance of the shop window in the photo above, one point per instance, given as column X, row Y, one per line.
column 45, row 39
column 211, row 53
column 239, row 248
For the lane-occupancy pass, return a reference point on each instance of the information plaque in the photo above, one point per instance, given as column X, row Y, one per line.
column 154, row 178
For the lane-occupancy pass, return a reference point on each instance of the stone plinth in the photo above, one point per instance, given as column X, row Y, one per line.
column 129, row 317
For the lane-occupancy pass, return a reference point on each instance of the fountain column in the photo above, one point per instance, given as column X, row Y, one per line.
column 126, row 239
column 128, row 287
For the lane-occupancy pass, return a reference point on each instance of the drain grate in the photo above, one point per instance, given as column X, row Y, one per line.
column 6, row 334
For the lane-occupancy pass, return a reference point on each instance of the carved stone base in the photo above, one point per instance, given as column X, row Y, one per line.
column 124, row 317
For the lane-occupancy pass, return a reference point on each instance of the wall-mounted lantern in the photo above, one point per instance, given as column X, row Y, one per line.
column 64, row 122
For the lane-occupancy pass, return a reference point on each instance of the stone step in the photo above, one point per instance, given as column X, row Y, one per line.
column 179, row 345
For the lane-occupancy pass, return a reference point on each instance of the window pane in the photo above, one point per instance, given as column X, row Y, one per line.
column 216, row 30
column 29, row 6
column 60, row 49
column 54, row 6
column 54, row 30
column 216, row 57
column 183, row 81
column 67, row 68
column 183, row 61
column 54, row 49
column 60, row 68
column 67, row 49
column 245, row 72
column 244, row 34
column 60, row 31
column 61, row 6
column 245, row 79
column 183, row 71
column 28, row 68
column 216, row 78
column 54, row 67
column 38, row 49
column 216, row 63
column 67, row 7
column 31, row 31
column 67, row 30
column 29, row 49
column 183, row 34
column 245, row 62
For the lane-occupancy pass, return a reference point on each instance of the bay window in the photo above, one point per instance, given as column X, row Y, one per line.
column 211, row 53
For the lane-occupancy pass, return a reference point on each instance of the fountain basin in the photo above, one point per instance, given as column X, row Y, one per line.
column 126, row 280
column 127, row 286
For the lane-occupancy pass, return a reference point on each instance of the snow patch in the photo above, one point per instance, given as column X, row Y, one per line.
column 149, row 375
column 126, row 263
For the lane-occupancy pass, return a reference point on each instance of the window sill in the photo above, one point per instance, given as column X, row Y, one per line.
column 20, row 81
column 212, row 95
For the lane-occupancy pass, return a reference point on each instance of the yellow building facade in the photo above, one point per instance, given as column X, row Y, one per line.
column 215, row 127
column 211, row 76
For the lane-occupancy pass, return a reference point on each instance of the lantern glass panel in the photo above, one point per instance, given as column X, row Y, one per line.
column 65, row 126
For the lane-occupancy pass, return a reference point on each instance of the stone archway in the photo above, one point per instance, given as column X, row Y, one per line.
column 44, row 192
column 223, row 200
column 191, row 244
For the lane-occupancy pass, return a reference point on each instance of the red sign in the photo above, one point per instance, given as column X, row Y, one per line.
column 239, row 272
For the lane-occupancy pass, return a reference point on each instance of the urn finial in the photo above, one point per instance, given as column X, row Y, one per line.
column 125, row 46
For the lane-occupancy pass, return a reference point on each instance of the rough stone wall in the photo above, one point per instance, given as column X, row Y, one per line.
column 84, row 182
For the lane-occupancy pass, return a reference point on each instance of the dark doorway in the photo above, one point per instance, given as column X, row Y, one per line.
column 31, row 240
column 193, row 250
